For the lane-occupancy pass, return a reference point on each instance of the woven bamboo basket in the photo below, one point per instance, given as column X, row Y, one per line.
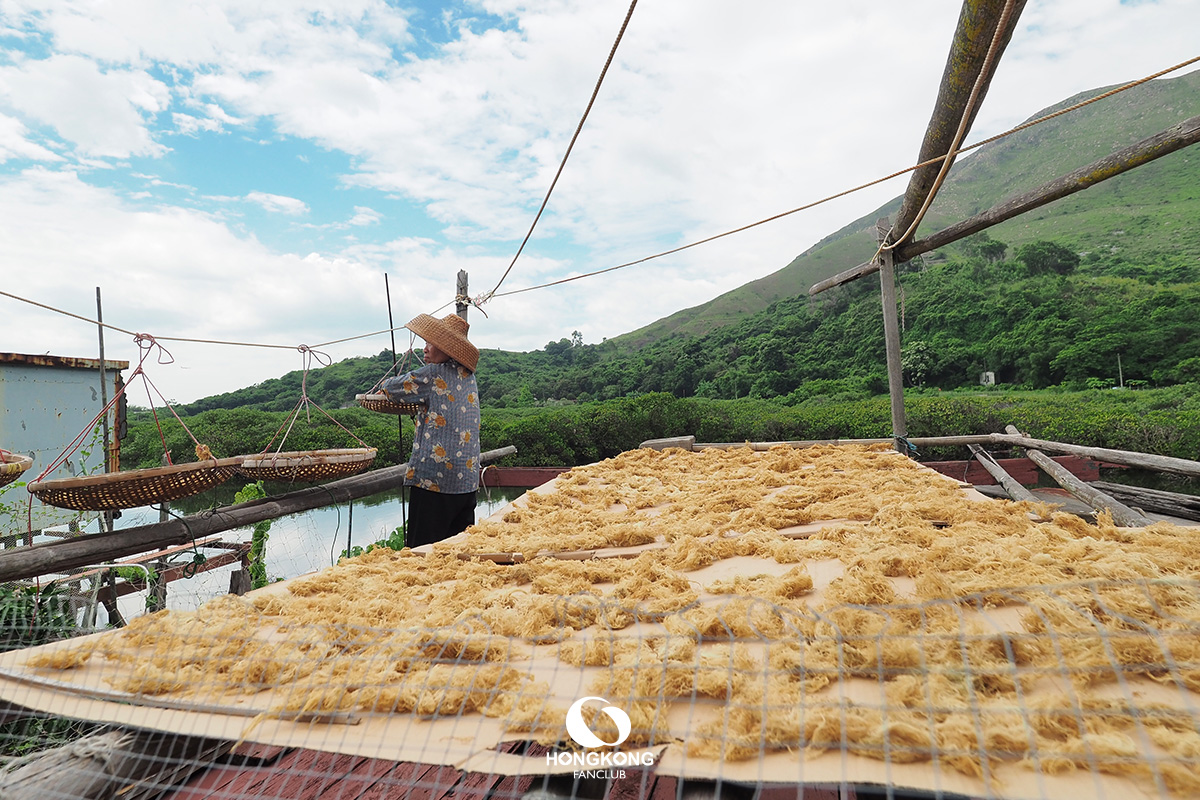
column 140, row 487
column 12, row 465
column 384, row 405
column 309, row 465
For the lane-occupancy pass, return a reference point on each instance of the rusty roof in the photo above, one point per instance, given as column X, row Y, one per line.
column 68, row 362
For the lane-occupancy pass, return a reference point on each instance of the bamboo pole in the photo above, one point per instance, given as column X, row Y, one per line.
column 59, row 556
column 1015, row 490
column 977, row 24
column 1122, row 514
column 1179, row 466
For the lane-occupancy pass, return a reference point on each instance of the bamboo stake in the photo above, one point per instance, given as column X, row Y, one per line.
column 1122, row 514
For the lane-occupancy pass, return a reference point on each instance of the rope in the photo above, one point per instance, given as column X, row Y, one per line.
column 595, row 91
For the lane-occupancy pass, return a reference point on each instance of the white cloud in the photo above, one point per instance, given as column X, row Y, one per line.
column 278, row 204
column 102, row 113
column 16, row 144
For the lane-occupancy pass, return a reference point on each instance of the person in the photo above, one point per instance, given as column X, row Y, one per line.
column 443, row 471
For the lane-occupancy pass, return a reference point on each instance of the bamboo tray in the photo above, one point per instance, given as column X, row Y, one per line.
column 140, row 487
column 12, row 465
column 385, row 405
column 309, row 465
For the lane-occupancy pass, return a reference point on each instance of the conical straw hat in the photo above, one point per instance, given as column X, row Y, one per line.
column 448, row 334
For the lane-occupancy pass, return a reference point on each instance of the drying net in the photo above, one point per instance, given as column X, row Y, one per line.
column 828, row 622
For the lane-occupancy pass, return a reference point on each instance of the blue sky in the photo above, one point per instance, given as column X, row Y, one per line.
column 249, row 170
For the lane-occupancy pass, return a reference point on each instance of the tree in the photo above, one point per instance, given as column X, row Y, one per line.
column 1044, row 257
column 916, row 359
column 983, row 246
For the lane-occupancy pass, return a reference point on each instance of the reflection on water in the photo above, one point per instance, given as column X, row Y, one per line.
column 297, row 544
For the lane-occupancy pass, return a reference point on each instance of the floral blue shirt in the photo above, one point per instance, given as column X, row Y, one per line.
column 445, row 452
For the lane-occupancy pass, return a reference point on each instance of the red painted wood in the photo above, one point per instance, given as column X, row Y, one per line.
column 1023, row 470
column 520, row 477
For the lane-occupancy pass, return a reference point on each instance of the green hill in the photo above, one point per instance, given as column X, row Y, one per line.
column 1147, row 211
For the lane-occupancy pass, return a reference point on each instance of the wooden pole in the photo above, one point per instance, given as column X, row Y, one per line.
column 60, row 556
column 1015, row 490
column 461, row 294
column 1178, row 466
column 1184, row 506
column 891, row 337
column 977, row 24
column 1175, row 138
column 1122, row 514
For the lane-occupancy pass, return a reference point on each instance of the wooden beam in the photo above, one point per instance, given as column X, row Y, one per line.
column 1178, row 466
column 1175, row 138
column 977, row 27
column 1122, row 514
column 60, row 556
column 1015, row 490
column 920, row 441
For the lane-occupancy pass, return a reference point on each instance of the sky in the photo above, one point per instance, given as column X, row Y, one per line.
column 250, row 170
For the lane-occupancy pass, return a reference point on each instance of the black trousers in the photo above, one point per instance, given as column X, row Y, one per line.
column 434, row 516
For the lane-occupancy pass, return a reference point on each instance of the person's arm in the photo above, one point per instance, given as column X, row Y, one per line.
column 411, row 387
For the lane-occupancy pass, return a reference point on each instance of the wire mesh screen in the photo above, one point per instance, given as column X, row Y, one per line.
column 750, row 639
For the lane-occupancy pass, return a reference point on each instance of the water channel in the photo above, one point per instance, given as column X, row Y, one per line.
column 298, row 544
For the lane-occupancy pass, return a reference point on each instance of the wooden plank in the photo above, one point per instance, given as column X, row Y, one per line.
column 1122, row 514
column 684, row 442
column 47, row 557
column 520, row 477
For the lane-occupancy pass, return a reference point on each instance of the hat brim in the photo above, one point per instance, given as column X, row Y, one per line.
column 446, row 339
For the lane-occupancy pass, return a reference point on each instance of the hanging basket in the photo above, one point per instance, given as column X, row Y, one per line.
column 12, row 465
column 385, row 405
column 140, row 487
column 309, row 465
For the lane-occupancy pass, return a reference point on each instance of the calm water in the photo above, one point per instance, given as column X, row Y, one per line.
column 298, row 544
